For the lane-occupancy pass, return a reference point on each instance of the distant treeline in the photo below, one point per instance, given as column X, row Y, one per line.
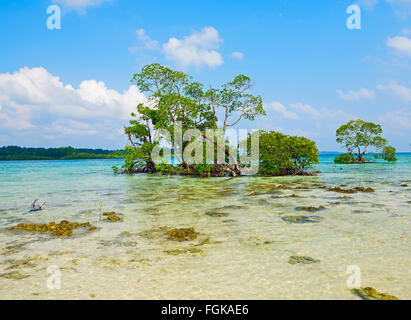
column 63, row 153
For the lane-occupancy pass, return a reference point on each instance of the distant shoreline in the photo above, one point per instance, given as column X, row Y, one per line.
column 15, row 153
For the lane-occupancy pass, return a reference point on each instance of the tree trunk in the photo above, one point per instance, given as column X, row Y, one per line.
column 237, row 170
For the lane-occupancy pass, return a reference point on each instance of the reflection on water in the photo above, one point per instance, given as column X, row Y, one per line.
column 268, row 238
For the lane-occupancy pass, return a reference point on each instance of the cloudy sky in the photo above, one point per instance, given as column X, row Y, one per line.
column 72, row 86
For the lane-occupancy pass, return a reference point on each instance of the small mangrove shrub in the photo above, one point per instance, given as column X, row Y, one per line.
column 281, row 154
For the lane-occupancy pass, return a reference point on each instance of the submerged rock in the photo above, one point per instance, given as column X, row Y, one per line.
column 302, row 188
column 351, row 191
column 339, row 190
column 302, row 260
column 312, row 209
column 114, row 218
column 233, row 207
column 269, row 189
column 404, row 185
column 217, row 214
column 182, row 234
column 363, row 189
column 61, row 230
column 294, row 196
column 302, row 219
column 111, row 213
column 369, row 293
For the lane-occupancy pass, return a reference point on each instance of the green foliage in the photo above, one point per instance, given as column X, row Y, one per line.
column 166, row 169
column 388, row 154
column 64, row 153
column 282, row 155
column 344, row 158
column 173, row 97
column 358, row 135
column 202, row 169
column 234, row 100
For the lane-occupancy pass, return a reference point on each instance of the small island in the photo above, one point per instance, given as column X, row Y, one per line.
column 358, row 136
column 179, row 107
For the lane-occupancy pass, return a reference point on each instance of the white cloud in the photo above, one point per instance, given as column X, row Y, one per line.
column 37, row 103
column 306, row 109
column 402, row 8
column 237, row 55
column 399, row 119
column 148, row 43
column 79, row 5
column 357, row 95
column 397, row 89
column 301, row 111
column 198, row 49
column 369, row 4
column 401, row 44
column 281, row 109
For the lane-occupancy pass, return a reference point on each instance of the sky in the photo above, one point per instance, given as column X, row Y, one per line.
column 71, row 86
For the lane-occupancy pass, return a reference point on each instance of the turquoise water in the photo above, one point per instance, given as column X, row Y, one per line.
column 241, row 252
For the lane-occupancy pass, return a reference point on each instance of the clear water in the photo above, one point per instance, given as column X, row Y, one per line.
column 242, row 254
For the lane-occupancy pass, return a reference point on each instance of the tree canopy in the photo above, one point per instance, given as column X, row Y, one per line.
column 359, row 137
column 285, row 155
column 173, row 97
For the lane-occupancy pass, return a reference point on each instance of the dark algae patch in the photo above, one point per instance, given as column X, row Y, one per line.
column 351, row 191
column 369, row 293
column 112, row 217
column 311, row 209
column 217, row 214
column 302, row 260
column 302, row 219
column 182, row 234
column 61, row 230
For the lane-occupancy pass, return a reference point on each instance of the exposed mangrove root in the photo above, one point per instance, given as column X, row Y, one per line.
column 218, row 170
column 38, row 207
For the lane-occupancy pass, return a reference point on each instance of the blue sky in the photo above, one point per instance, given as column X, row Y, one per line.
column 71, row 86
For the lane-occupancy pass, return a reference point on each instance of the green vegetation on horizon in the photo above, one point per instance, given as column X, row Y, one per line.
column 11, row 153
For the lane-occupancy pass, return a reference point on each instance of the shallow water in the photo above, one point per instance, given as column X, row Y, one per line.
column 244, row 242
